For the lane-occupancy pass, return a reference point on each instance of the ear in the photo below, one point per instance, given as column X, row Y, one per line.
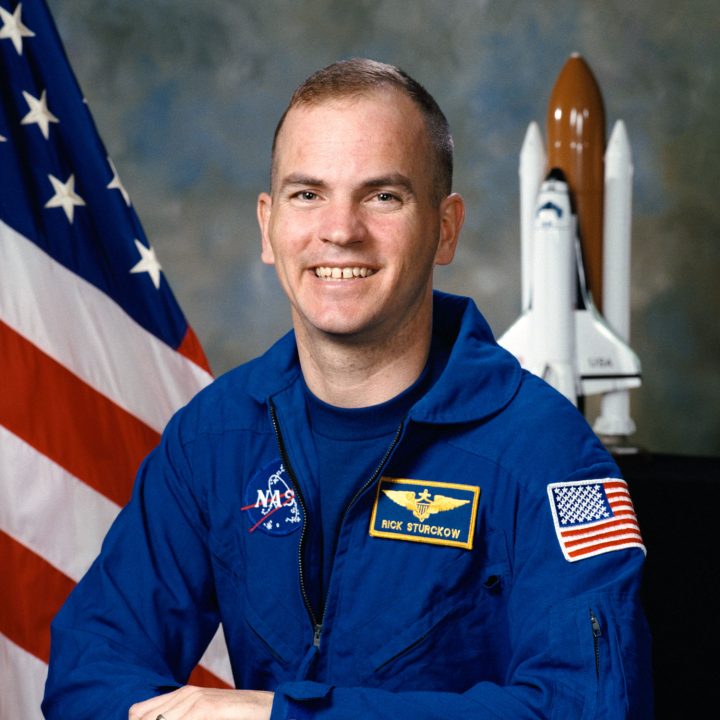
column 264, row 209
column 452, row 216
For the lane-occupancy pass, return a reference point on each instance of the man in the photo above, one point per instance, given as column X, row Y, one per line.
column 373, row 509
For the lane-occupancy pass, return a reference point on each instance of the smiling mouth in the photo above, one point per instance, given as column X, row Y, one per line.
column 343, row 273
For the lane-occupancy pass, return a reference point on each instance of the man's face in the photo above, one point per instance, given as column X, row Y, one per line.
column 351, row 226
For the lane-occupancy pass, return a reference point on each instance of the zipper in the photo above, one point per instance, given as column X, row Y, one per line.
column 597, row 634
column 407, row 649
column 317, row 633
column 368, row 483
column 378, row 470
column 318, row 625
column 262, row 639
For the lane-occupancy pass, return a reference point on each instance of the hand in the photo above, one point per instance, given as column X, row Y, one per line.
column 196, row 703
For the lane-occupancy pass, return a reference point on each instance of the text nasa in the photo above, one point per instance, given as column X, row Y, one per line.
column 274, row 498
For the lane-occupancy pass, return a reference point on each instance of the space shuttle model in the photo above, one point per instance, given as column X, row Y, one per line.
column 575, row 322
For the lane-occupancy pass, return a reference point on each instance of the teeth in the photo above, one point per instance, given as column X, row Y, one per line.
column 344, row 273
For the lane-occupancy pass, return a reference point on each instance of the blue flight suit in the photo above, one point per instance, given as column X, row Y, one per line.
column 450, row 594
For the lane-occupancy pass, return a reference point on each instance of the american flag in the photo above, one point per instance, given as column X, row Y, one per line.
column 95, row 353
column 593, row 517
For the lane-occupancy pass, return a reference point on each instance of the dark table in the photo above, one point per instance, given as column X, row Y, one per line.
column 677, row 500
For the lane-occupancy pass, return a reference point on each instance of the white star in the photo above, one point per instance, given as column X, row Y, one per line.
column 39, row 113
column 148, row 263
column 116, row 184
column 13, row 28
column 65, row 196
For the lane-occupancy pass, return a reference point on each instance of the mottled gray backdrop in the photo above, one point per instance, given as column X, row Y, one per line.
column 186, row 96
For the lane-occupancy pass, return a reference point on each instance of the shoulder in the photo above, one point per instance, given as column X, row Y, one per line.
column 238, row 399
column 542, row 438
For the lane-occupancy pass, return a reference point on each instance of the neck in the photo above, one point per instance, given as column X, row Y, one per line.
column 347, row 372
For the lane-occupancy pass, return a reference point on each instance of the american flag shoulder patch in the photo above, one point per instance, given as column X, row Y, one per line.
column 593, row 517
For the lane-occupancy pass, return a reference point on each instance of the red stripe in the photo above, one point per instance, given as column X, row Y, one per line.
column 204, row 678
column 615, row 484
column 620, row 508
column 53, row 410
column 627, row 514
column 191, row 348
column 595, row 537
column 604, row 546
column 33, row 591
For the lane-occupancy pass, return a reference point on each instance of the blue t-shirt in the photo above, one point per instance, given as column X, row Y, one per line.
column 350, row 443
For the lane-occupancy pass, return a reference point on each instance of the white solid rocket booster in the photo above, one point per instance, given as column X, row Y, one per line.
column 532, row 172
column 614, row 418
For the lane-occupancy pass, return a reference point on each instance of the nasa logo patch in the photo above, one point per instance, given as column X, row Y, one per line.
column 270, row 502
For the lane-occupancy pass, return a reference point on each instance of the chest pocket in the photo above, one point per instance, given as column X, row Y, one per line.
column 254, row 539
column 424, row 616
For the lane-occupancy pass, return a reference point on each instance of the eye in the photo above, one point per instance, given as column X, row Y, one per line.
column 306, row 195
column 387, row 198
column 303, row 196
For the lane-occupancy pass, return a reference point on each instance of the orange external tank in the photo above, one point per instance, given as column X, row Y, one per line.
column 576, row 145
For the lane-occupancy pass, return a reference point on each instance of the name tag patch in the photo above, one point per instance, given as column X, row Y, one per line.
column 425, row 511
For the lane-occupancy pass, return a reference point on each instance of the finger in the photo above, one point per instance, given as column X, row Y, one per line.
column 188, row 703
column 196, row 703
column 178, row 705
column 151, row 708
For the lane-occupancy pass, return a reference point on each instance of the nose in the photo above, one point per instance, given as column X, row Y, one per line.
column 341, row 223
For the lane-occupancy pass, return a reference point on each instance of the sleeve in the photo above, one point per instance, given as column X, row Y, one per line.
column 578, row 643
column 127, row 631
column 603, row 675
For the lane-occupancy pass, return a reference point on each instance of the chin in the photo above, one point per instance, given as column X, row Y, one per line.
column 342, row 319
column 340, row 330
column 340, row 327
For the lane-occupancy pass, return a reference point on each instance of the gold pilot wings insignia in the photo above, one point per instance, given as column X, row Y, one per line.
column 425, row 511
column 422, row 505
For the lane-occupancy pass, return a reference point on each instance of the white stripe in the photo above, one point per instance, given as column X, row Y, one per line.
column 619, row 491
column 600, row 531
column 23, row 677
column 49, row 510
column 23, row 682
column 64, row 521
column 603, row 550
column 613, row 540
column 87, row 332
column 595, row 524
column 216, row 658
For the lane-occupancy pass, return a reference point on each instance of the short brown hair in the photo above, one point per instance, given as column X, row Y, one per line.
column 359, row 76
